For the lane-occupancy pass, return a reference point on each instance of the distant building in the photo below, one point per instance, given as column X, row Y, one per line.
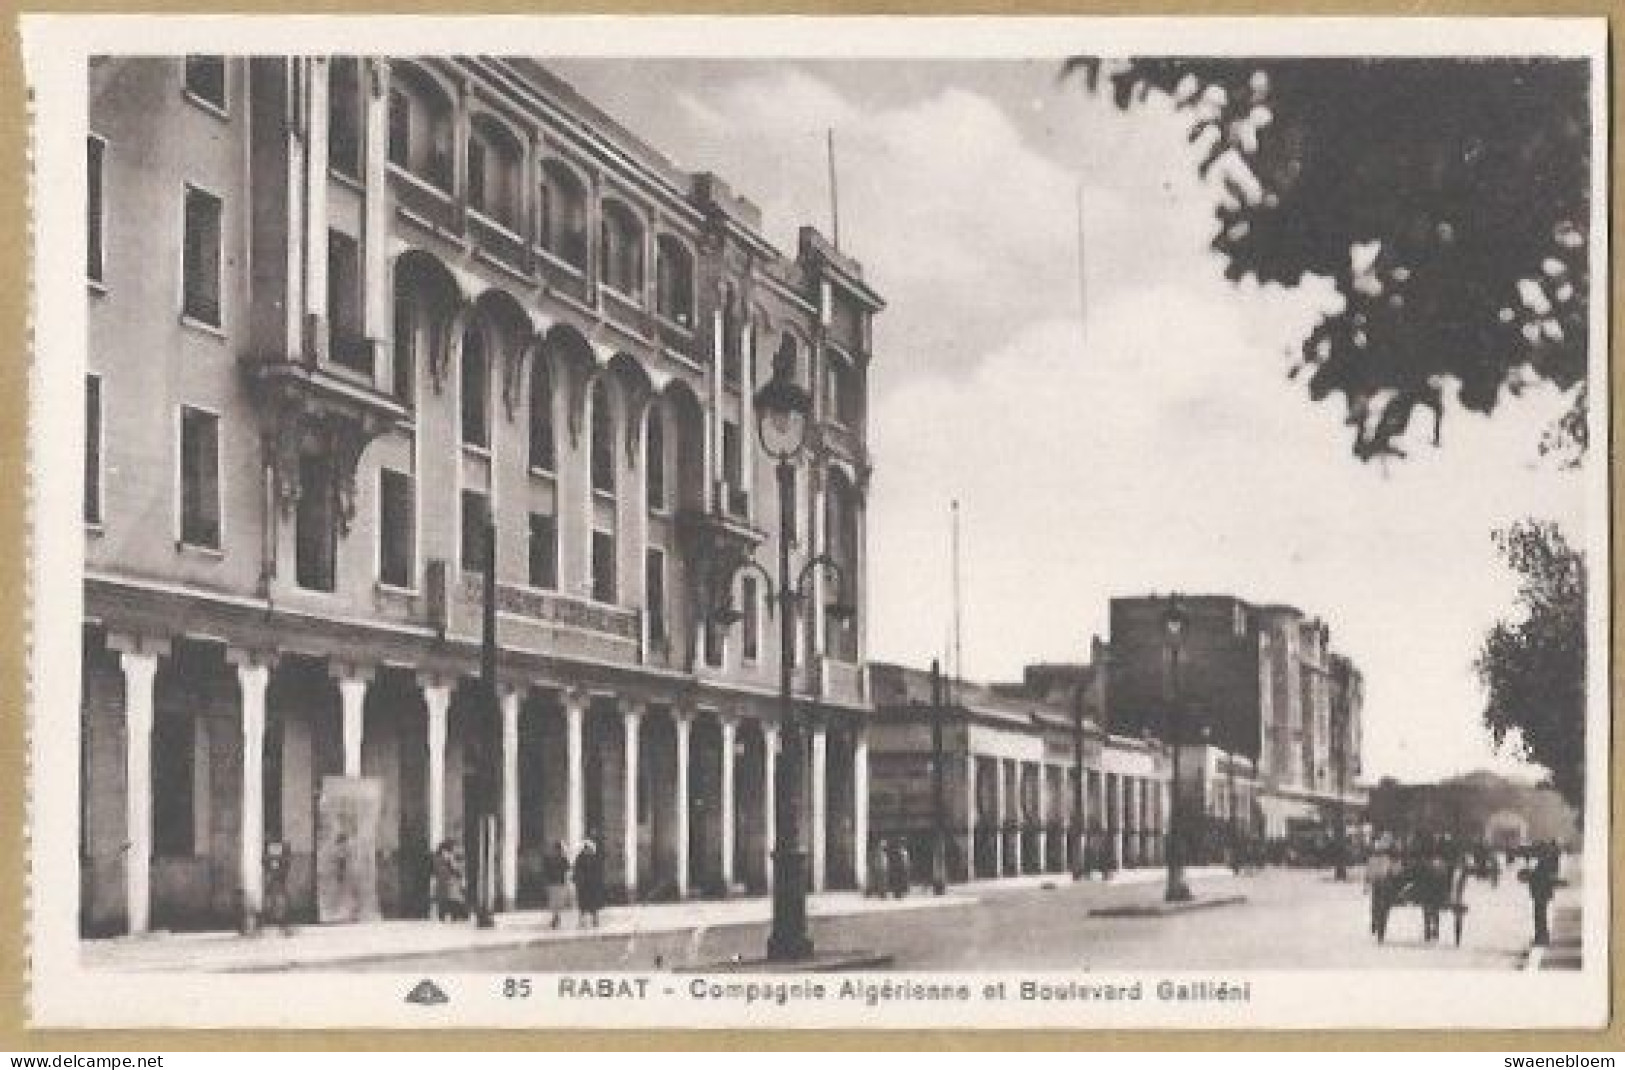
column 1477, row 806
column 1011, row 768
column 1259, row 684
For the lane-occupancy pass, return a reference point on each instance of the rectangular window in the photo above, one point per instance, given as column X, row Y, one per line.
column 344, row 128
column 542, row 452
column 733, row 469
column 174, row 818
column 476, row 175
column 654, row 582
column 733, row 465
column 316, row 531
column 400, row 129
column 200, row 478
column 95, row 150
column 472, row 551
column 603, row 566
column 476, row 393
column 347, row 345
column 397, row 524
column 750, row 640
column 544, row 551
column 93, row 449
column 200, row 258
column 655, row 462
column 206, row 79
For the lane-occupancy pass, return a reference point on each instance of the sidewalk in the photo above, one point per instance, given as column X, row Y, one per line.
column 335, row 945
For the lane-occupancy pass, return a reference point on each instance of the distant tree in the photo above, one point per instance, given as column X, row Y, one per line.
column 1448, row 201
column 1532, row 667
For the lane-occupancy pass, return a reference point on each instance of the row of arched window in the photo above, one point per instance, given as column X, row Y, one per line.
column 421, row 142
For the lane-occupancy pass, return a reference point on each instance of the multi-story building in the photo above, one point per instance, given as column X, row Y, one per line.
column 1258, row 683
column 340, row 311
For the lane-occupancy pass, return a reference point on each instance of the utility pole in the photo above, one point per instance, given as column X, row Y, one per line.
column 485, row 777
column 939, row 818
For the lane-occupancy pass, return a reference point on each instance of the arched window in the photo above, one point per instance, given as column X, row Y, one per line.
column 476, row 389
column 564, row 214
column 603, row 440
column 674, row 281
column 654, row 458
column 841, row 536
column 621, row 266
column 493, row 171
column 420, row 126
column 542, row 450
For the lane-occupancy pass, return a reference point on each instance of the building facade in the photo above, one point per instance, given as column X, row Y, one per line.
column 1011, row 760
column 341, row 311
column 1258, row 686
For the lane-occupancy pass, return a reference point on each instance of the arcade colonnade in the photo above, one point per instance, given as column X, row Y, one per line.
column 198, row 754
column 1019, row 817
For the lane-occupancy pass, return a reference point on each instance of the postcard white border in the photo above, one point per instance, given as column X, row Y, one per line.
column 63, row 993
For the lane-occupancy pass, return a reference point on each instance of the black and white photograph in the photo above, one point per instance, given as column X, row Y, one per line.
column 745, row 522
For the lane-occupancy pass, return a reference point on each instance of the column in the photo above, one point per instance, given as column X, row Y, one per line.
column 632, row 719
column 353, row 696
column 140, row 672
column 998, row 818
column 436, row 701
column 509, row 889
column 1131, row 817
column 770, row 781
column 252, row 679
column 683, row 724
column 1043, row 817
column 819, row 755
column 378, row 321
column 575, row 714
column 860, row 808
column 729, row 727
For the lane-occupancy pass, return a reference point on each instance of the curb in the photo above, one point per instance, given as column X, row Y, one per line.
column 1158, row 910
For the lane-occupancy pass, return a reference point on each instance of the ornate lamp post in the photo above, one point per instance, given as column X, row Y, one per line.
column 783, row 410
column 1173, row 622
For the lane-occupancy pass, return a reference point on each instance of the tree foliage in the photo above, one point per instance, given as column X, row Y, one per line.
column 1532, row 667
column 1448, row 200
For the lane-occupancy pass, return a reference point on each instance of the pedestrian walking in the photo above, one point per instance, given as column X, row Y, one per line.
column 589, row 882
column 556, row 880
column 450, row 889
column 879, row 873
column 1382, row 877
column 1457, row 898
column 1543, row 883
column 276, row 887
column 897, row 869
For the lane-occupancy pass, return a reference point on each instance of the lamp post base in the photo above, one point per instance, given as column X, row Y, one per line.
column 788, row 940
column 1177, row 891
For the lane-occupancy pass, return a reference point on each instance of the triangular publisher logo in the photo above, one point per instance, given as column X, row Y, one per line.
column 427, row 993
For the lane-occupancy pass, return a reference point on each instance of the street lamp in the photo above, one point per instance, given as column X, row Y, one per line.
column 1174, row 623
column 783, row 410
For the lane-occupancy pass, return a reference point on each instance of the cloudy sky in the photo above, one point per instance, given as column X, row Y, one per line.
column 1134, row 433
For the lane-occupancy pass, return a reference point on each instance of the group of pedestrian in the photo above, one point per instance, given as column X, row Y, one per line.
column 889, row 869
column 561, row 876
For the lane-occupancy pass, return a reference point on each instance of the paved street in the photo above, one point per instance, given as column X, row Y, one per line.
column 1292, row 918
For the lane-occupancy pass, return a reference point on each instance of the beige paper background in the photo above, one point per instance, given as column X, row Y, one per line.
column 13, row 753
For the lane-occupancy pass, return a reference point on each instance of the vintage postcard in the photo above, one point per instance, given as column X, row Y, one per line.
column 611, row 522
